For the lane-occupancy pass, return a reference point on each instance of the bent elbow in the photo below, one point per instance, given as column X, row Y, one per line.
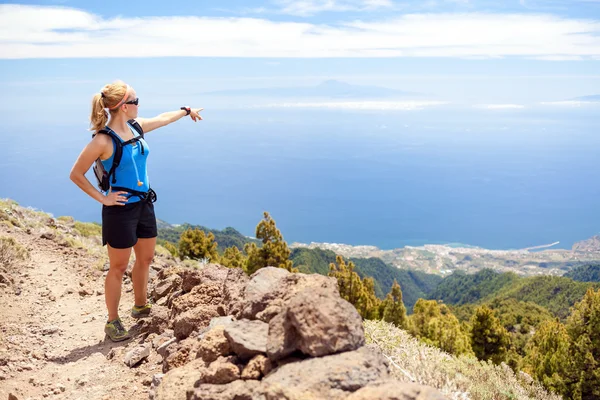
column 74, row 176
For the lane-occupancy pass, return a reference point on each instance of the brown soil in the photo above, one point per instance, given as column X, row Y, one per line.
column 52, row 342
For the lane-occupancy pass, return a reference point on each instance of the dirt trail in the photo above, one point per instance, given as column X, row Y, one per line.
column 52, row 343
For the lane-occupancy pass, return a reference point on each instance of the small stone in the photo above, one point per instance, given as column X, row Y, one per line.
column 81, row 381
column 136, row 355
column 49, row 330
column 61, row 387
column 157, row 379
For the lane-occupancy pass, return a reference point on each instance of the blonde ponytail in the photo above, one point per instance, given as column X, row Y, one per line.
column 99, row 116
column 111, row 96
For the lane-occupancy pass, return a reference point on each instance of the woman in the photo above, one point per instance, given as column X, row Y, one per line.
column 128, row 219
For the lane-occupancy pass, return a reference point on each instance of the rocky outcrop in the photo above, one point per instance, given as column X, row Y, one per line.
column 273, row 335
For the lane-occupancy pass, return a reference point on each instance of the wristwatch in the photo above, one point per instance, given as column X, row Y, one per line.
column 187, row 110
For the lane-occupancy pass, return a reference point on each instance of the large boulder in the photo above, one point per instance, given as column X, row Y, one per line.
column 213, row 345
column 221, row 371
column 247, row 338
column 166, row 286
column 177, row 382
column 331, row 377
column 270, row 288
column 233, row 291
column 203, row 294
column 317, row 323
column 194, row 320
column 238, row 390
column 395, row 390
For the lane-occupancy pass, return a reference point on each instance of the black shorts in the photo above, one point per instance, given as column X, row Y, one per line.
column 122, row 226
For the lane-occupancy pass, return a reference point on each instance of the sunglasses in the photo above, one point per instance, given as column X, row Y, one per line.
column 135, row 101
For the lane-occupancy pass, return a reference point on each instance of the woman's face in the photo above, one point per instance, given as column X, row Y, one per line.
column 130, row 107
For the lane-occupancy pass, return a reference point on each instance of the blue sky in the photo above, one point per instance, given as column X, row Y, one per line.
column 481, row 54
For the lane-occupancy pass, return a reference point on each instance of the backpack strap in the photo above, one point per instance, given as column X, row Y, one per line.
column 118, row 152
column 137, row 127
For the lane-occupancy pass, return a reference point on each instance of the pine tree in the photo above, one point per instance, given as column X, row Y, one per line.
column 274, row 251
column 172, row 249
column 394, row 310
column 489, row 339
column 583, row 326
column 195, row 244
column 233, row 258
column 349, row 283
column 435, row 324
column 369, row 303
column 548, row 358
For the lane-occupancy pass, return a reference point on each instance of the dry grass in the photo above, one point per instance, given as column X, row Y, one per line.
column 88, row 229
column 457, row 377
column 11, row 252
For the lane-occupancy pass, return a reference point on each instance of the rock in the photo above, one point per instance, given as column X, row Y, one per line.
column 220, row 321
column 147, row 381
column 48, row 235
column 258, row 367
column 247, row 338
column 221, row 371
column 61, row 387
column 203, row 294
column 166, row 286
column 178, row 354
column 213, row 345
column 396, row 390
column 178, row 381
column 330, row 377
column 190, row 279
column 157, row 379
column 193, row 320
column 210, row 274
column 238, row 390
column 317, row 323
column 270, row 289
column 233, row 291
column 161, row 339
column 12, row 397
column 49, row 330
column 158, row 322
column 133, row 357
column 5, row 278
column 162, row 348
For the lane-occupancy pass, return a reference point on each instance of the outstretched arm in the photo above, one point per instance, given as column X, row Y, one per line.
column 150, row 124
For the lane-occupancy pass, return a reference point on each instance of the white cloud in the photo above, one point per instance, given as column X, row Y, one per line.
column 60, row 32
column 311, row 7
column 570, row 103
column 500, row 106
column 360, row 105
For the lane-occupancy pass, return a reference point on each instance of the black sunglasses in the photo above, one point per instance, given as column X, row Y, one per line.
column 134, row 101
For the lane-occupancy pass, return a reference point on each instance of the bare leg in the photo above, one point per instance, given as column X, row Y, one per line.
column 144, row 253
column 119, row 258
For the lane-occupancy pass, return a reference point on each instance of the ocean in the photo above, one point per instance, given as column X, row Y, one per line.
column 494, row 179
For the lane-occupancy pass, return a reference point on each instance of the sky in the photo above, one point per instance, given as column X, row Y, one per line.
column 526, row 70
column 480, row 54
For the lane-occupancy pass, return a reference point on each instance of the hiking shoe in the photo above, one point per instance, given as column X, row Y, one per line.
column 141, row 312
column 116, row 331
